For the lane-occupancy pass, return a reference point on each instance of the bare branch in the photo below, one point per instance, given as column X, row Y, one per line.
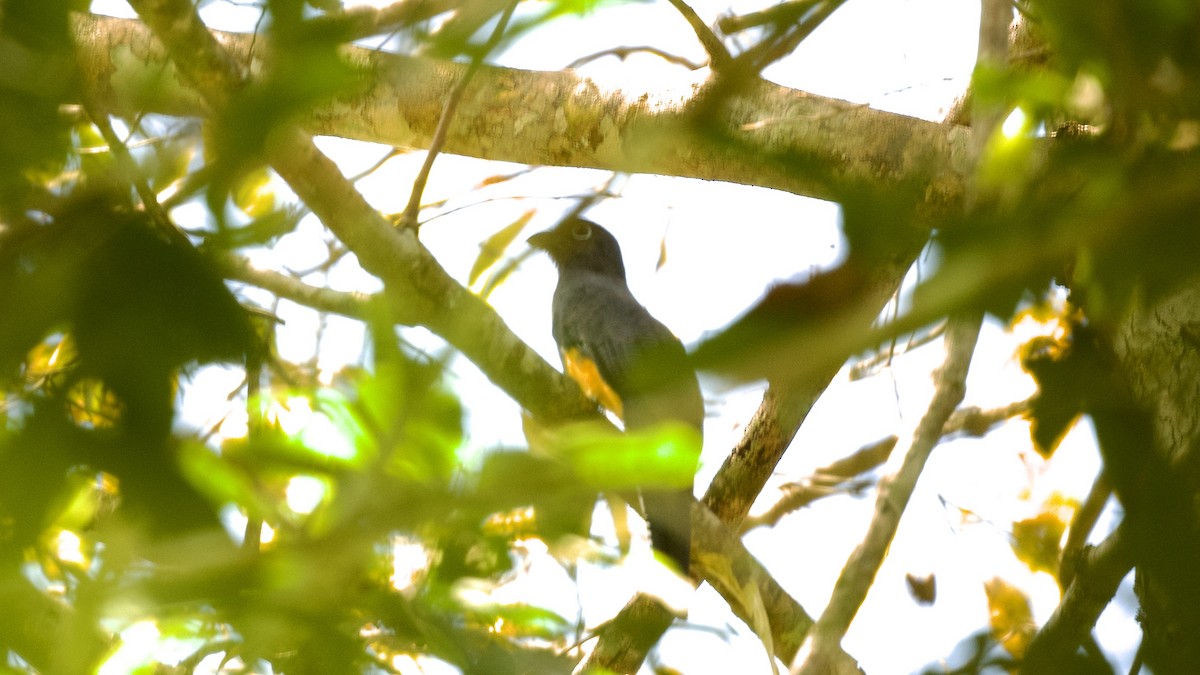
column 412, row 211
column 787, row 37
column 894, row 492
column 1082, row 522
column 824, row 481
column 718, row 55
column 625, row 52
column 1098, row 574
column 837, row 477
column 351, row 304
column 783, row 13
column 869, row 366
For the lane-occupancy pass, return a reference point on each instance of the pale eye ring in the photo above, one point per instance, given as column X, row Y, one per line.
column 581, row 232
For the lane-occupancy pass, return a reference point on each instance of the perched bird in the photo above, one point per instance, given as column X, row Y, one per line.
column 623, row 358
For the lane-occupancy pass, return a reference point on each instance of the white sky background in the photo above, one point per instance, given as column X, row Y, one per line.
column 725, row 245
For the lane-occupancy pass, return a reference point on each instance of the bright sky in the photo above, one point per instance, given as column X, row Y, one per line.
column 725, row 245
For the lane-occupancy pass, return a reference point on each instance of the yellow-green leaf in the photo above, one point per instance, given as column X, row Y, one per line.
column 494, row 246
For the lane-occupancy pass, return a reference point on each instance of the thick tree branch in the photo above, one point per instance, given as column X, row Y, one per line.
column 769, row 136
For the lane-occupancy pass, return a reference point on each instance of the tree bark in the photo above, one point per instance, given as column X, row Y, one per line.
column 762, row 134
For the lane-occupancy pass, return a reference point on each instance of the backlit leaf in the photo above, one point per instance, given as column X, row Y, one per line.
column 493, row 248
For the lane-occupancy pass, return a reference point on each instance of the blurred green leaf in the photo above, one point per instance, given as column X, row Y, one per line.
column 38, row 76
column 222, row 483
column 523, row 620
column 664, row 455
column 253, row 193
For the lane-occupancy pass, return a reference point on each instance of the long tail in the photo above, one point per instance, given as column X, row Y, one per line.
column 669, row 515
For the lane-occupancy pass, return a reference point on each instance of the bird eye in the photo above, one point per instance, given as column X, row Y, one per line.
column 581, row 232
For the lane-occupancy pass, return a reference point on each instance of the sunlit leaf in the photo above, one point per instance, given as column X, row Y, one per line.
column 93, row 404
column 493, row 248
column 522, row 620
column 46, row 363
column 1010, row 616
column 172, row 159
column 220, row 481
column 254, row 193
column 1036, row 541
column 511, row 523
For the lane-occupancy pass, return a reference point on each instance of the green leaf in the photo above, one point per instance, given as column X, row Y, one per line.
column 221, row 482
column 664, row 455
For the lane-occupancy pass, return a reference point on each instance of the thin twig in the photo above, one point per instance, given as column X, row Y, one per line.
column 824, row 482
column 127, row 166
column 1082, row 522
column 858, row 575
column 839, row 476
column 783, row 13
column 785, row 40
column 625, row 52
column 718, row 55
column 870, row 366
column 394, row 152
column 413, row 210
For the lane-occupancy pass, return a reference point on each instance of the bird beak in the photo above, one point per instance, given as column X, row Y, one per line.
column 544, row 240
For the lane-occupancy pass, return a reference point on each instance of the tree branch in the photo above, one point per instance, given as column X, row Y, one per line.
column 1098, row 574
column 412, row 211
column 823, row 482
column 782, row 138
column 417, row 288
column 830, row 479
column 718, row 55
column 894, row 492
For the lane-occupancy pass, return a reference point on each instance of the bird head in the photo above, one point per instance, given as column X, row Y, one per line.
column 578, row 244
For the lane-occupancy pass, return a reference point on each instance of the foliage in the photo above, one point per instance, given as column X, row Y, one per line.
column 347, row 528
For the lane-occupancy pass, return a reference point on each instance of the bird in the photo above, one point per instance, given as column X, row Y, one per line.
column 623, row 358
